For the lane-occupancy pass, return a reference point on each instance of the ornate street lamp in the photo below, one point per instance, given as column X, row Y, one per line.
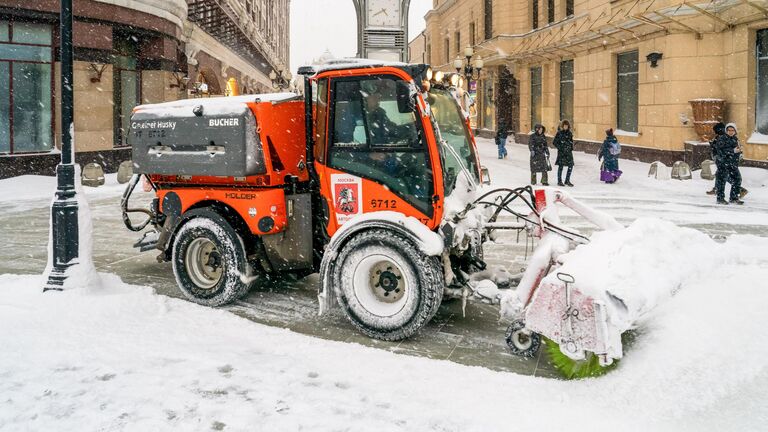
column 281, row 80
column 471, row 69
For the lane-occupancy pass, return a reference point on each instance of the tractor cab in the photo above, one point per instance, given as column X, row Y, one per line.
column 382, row 141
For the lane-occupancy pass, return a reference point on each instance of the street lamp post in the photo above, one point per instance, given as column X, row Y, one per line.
column 281, row 80
column 64, row 225
column 470, row 68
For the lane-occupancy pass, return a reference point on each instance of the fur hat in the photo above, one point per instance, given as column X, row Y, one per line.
column 732, row 125
column 609, row 131
column 719, row 128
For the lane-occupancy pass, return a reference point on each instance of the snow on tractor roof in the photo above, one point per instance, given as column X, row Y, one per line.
column 230, row 105
column 347, row 63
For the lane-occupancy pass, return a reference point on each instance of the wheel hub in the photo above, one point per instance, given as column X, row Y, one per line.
column 385, row 282
column 204, row 263
column 388, row 281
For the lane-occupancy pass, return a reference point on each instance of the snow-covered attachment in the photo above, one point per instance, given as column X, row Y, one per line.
column 547, row 301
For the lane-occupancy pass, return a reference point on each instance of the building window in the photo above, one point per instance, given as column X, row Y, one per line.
column 25, row 88
column 488, row 16
column 458, row 42
column 447, row 50
column 429, row 54
column 535, row 96
column 127, row 84
column 472, row 35
column 761, row 113
column 534, row 14
column 566, row 90
column 550, row 11
column 626, row 94
column 568, row 8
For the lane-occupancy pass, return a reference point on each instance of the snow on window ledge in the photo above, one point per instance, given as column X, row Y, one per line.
column 757, row 138
column 626, row 133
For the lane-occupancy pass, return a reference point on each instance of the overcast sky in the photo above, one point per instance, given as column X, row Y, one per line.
column 317, row 25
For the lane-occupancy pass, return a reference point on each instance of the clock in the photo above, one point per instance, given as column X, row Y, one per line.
column 383, row 13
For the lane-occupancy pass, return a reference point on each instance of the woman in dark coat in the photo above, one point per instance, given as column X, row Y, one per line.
column 564, row 144
column 537, row 144
column 609, row 154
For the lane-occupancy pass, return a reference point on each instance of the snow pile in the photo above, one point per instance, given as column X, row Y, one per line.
column 643, row 265
column 124, row 358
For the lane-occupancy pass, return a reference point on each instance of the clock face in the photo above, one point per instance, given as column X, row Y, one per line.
column 383, row 13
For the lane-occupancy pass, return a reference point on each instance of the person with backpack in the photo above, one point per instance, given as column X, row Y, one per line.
column 728, row 153
column 563, row 142
column 537, row 144
column 609, row 154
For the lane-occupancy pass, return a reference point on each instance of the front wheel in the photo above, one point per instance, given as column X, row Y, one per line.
column 209, row 260
column 386, row 286
column 522, row 342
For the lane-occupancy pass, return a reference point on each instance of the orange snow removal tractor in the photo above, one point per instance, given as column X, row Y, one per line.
column 371, row 178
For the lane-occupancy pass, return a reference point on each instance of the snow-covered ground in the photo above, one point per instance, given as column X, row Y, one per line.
column 635, row 194
column 124, row 358
column 24, row 193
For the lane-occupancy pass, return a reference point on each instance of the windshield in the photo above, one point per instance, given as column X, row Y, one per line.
column 453, row 129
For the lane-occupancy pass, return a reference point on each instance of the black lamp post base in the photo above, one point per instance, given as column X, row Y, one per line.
column 64, row 227
column 56, row 279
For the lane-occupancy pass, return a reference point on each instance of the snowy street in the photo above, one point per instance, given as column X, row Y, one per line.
column 123, row 358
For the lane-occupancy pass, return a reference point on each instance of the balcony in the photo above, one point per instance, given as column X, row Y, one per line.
column 174, row 11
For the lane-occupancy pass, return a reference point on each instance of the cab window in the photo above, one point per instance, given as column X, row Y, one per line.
column 320, row 101
column 377, row 135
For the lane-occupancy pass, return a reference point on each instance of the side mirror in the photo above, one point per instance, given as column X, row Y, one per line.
column 485, row 175
column 405, row 103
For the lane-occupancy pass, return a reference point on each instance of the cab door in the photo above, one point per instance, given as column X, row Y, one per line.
column 377, row 152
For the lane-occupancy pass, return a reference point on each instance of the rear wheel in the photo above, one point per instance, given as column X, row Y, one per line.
column 386, row 286
column 209, row 261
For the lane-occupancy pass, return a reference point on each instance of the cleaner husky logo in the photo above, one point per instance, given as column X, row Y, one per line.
column 347, row 192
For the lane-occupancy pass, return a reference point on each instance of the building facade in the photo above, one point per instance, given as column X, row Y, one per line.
column 631, row 65
column 417, row 49
column 127, row 52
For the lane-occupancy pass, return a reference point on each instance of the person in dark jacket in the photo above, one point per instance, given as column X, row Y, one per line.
column 609, row 154
column 501, row 137
column 728, row 153
column 719, row 129
column 537, row 144
column 564, row 144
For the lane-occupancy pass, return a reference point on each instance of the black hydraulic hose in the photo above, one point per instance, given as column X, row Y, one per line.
column 124, row 206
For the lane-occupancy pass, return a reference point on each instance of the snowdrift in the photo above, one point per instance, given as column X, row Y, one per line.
column 126, row 359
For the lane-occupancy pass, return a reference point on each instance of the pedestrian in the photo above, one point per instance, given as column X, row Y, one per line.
column 564, row 144
column 609, row 154
column 501, row 137
column 719, row 129
column 537, row 144
column 728, row 153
